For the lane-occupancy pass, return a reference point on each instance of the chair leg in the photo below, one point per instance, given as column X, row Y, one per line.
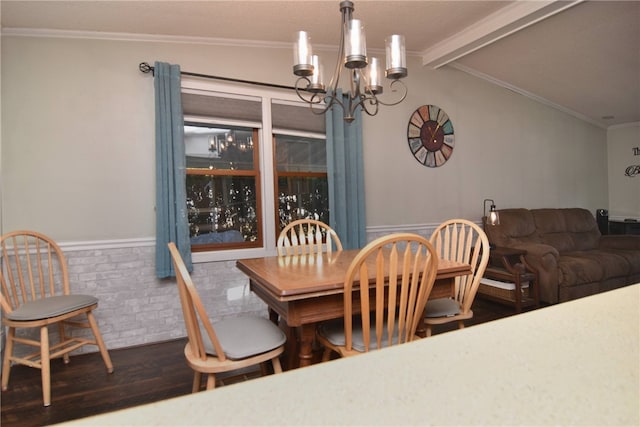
column 428, row 330
column 211, row 382
column 45, row 365
column 460, row 324
column 62, row 338
column 100, row 342
column 6, row 363
column 277, row 368
column 197, row 380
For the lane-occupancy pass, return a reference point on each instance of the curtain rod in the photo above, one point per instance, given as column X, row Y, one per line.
column 146, row 68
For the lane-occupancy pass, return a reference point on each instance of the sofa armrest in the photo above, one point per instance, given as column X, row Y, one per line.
column 543, row 259
column 539, row 255
column 622, row 241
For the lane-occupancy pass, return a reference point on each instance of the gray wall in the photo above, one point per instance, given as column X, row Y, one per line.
column 77, row 163
column 77, row 129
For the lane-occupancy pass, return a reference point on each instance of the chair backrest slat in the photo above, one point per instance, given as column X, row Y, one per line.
column 307, row 236
column 405, row 266
column 33, row 267
column 463, row 241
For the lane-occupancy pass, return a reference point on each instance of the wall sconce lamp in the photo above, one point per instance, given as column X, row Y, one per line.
column 494, row 217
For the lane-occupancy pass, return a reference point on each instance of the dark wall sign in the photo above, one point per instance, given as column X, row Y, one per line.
column 633, row 170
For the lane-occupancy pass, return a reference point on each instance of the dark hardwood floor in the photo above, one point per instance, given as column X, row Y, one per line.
column 142, row 375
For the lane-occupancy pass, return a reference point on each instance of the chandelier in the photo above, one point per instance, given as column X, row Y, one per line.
column 365, row 74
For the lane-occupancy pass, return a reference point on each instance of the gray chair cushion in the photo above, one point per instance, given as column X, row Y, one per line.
column 333, row 331
column 242, row 337
column 442, row 307
column 51, row 307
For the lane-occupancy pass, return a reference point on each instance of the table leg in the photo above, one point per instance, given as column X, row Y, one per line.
column 306, row 336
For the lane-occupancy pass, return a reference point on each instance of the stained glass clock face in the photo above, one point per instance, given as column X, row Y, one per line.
column 430, row 135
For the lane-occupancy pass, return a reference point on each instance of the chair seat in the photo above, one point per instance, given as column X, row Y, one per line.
column 245, row 337
column 51, row 307
column 333, row 331
column 442, row 307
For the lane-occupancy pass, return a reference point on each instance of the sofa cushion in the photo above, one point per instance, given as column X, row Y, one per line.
column 591, row 266
column 571, row 229
column 516, row 226
column 632, row 258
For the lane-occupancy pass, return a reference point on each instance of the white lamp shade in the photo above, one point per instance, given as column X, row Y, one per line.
column 396, row 57
column 355, row 45
column 302, row 54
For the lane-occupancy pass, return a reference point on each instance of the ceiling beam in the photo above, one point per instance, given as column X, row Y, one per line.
column 514, row 17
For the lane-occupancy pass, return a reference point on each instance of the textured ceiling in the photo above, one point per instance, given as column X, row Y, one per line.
column 582, row 57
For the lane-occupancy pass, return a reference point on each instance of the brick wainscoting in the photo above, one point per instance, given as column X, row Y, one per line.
column 136, row 307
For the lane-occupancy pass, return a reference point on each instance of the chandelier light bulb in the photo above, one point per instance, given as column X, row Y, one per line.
column 374, row 76
column 302, row 55
column 317, row 83
column 396, row 57
column 355, row 45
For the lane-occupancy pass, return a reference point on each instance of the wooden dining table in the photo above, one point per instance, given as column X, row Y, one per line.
column 302, row 290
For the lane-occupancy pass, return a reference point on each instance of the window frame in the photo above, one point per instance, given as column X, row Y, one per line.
column 255, row 172
column 265, row 152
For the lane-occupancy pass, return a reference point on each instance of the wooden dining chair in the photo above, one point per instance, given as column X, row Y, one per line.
column 307, row 236
column 35, row 294
column 227, row 345
column 463, row 241
column 392, row 278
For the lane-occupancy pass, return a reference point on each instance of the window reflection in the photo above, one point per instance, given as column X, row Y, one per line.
column 222, row 181
column 303, row 190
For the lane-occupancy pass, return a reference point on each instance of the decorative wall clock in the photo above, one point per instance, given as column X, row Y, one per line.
column 430, row 135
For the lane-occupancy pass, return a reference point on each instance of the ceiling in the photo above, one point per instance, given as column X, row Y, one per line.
column 582, row 57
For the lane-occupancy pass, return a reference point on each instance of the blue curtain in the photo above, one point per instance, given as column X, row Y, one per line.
column 171, row 198
column 345, row 170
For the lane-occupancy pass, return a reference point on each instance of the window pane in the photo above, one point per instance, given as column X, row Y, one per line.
column 300, row 154
column 226, row 148
column 222, row 209
column 303, row 197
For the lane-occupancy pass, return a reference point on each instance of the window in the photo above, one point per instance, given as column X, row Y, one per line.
column 301, row 179
column 223, row 187
column 256, row 160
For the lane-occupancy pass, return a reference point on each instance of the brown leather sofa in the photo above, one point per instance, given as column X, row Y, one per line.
column 567, row 250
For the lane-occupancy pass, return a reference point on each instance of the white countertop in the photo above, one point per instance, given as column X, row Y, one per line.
column 574, row 363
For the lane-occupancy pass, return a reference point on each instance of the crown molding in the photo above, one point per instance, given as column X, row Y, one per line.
column 624, row 125
column 523, row 92
column 155, row 38
column 508, row 20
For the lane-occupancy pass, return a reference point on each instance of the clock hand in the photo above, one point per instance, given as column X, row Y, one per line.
column 434, row 132
column 429, row 129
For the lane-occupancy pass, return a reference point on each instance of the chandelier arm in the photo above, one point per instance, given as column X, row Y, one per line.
column 362, row 101
column 317, row 99
column 329, row 101
column 404, row 95
column 312, row 98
